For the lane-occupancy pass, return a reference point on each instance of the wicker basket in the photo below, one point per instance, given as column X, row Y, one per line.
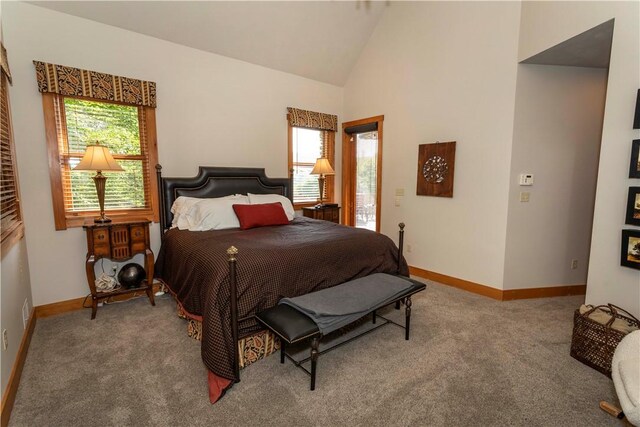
column 594, row 343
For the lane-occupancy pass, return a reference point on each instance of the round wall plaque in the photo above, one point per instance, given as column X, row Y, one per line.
column 435, row 169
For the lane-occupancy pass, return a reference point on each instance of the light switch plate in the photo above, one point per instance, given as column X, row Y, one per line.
column 524, row 196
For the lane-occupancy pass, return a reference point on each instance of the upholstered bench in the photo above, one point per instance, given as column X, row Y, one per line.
column 291, row 326
column 313, row 316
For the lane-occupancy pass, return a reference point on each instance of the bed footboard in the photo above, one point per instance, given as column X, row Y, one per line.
column 400, row 245
column 231, row 253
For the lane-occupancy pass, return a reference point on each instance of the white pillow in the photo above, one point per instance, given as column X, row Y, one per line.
column 180, row 207
column 182, row 204
column 259, row 199
column 215, row 214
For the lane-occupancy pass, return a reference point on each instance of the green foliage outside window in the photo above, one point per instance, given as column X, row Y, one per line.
column 367, row 177
column 307, row 147
column 117, row 127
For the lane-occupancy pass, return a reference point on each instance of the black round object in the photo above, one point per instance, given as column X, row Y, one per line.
column 131, row 275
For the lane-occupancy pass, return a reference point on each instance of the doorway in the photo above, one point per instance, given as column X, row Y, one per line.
column 362, row 172
column 557, row 133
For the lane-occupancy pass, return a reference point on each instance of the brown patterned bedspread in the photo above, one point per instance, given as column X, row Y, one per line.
column 273, row 262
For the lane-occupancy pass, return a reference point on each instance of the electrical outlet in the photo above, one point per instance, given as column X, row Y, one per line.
column 574, row 264
column 5, row 339
column 409, row 248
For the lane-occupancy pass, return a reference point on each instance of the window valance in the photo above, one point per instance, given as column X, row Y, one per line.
column 92, row 84
column 312, row 119
column 4, row 62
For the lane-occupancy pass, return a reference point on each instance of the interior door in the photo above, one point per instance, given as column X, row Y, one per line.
column 362, row 172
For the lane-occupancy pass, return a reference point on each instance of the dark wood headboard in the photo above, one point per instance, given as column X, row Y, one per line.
column 213, row 181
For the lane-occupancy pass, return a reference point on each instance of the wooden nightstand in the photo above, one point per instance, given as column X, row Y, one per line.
column 118, row 242
column 327, row 213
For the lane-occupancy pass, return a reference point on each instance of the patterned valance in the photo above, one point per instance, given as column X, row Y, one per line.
column 4, row 62
column 76, row 82
column 312, row 119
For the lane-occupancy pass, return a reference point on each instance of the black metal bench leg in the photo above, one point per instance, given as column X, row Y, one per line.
column 374, row 316
column 314, row 361
column 397, row 305
column 407, row 312
column 282, row 349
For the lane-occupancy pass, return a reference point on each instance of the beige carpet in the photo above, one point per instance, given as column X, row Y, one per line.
column 471, row 361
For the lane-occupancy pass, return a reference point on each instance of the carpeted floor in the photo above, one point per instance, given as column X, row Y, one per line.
column 470, row 361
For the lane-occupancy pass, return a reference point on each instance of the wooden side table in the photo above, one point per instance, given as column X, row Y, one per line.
column 118, row 242
column 327, row 213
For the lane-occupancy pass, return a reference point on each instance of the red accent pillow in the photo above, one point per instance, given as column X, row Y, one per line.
column 251, row 216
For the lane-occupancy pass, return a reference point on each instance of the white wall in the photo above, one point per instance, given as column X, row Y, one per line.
column 557, row 130
column 211, row 110
column 545, row 24
column 15, row 288
column 442, row 71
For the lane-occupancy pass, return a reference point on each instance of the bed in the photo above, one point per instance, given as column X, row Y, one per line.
column 223, row 277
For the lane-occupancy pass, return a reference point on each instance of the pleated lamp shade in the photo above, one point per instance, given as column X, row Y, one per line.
column 98, row 158
column 322, row 167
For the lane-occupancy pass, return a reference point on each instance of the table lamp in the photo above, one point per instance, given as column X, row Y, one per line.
column 98, row 158
column 322, row 168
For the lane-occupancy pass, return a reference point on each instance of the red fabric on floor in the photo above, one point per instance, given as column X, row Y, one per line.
column 217, row 386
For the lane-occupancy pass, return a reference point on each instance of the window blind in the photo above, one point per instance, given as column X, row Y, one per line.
column 10, row 216
column 308, row 145
column 121, row 128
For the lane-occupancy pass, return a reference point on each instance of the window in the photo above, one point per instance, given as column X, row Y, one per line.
column 311, row 135
column 82, row 107
column 129, row 133
column 305, row 146
column 10, row 214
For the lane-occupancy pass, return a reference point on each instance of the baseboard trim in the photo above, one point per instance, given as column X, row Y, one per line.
column 466, row 285
column 9, row 396
column 555, row 291
column 499, row 294
column 61, row 307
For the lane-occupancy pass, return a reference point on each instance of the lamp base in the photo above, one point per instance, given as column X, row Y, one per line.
column 100, row 181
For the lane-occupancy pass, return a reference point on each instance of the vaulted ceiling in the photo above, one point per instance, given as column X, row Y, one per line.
column 320, row 40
